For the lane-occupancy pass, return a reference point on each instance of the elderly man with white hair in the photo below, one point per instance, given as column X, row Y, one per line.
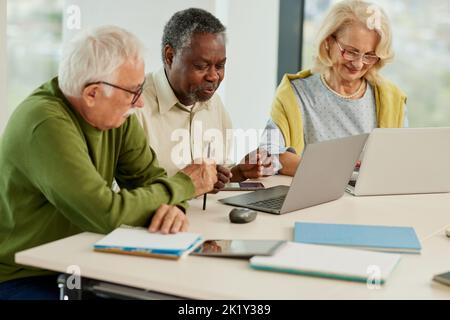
column 72, row 159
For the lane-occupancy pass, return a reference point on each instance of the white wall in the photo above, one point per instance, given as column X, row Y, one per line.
column 252, row 48
column 144, row 18
column 3, row 100
column 252, row 51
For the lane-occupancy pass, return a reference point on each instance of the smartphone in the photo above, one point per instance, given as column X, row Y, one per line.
column 243, row 186
column 443, row 278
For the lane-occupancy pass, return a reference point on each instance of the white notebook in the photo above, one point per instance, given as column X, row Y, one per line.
column 139, row 241
column 330, row 262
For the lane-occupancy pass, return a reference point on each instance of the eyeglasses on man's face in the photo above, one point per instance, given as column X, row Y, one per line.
column 136, row 94
column 352, row 55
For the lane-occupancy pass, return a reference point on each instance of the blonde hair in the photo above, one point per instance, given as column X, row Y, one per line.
column 346, row 13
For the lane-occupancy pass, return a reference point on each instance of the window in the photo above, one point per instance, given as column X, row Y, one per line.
column 34, row 37
column 422, row 45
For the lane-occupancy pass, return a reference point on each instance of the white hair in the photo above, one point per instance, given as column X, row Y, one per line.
column 95, row 55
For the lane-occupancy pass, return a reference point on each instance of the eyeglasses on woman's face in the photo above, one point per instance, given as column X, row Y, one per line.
column 353, row 55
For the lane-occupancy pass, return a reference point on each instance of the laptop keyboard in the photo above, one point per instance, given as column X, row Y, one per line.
column 274, row 203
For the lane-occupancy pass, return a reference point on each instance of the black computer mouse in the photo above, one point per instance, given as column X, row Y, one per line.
column 242, row 215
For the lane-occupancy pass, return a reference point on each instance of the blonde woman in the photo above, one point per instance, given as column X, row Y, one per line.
column 343, row 94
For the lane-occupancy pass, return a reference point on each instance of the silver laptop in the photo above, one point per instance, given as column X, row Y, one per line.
column 321, row 176
column 404, row 161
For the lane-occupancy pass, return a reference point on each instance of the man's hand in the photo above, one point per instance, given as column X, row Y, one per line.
column 203, row 176
column 169, row 219
column 223, row 177
column 255, row 165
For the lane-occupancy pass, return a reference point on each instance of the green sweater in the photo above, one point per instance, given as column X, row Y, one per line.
column 57, row 172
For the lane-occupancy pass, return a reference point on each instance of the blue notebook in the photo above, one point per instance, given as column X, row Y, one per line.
column 381, row 238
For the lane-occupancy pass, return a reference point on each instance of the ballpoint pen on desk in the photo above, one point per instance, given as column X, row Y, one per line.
column 204, row 196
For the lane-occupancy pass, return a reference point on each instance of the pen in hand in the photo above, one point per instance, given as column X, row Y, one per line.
column 204, row 196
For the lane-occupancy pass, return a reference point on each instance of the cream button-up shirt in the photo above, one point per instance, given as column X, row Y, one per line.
column 180, row 134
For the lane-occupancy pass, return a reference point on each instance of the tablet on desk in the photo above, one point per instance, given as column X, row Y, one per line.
column 243, row 186
column 443, row 278
column 237, row 248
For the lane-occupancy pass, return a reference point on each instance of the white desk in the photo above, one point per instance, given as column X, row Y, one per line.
column 216, row 278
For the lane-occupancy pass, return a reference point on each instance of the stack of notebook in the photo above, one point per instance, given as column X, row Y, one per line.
column 336, row 251
column 140, row 242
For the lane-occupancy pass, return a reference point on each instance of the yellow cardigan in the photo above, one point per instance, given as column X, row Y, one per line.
column 389, row 100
